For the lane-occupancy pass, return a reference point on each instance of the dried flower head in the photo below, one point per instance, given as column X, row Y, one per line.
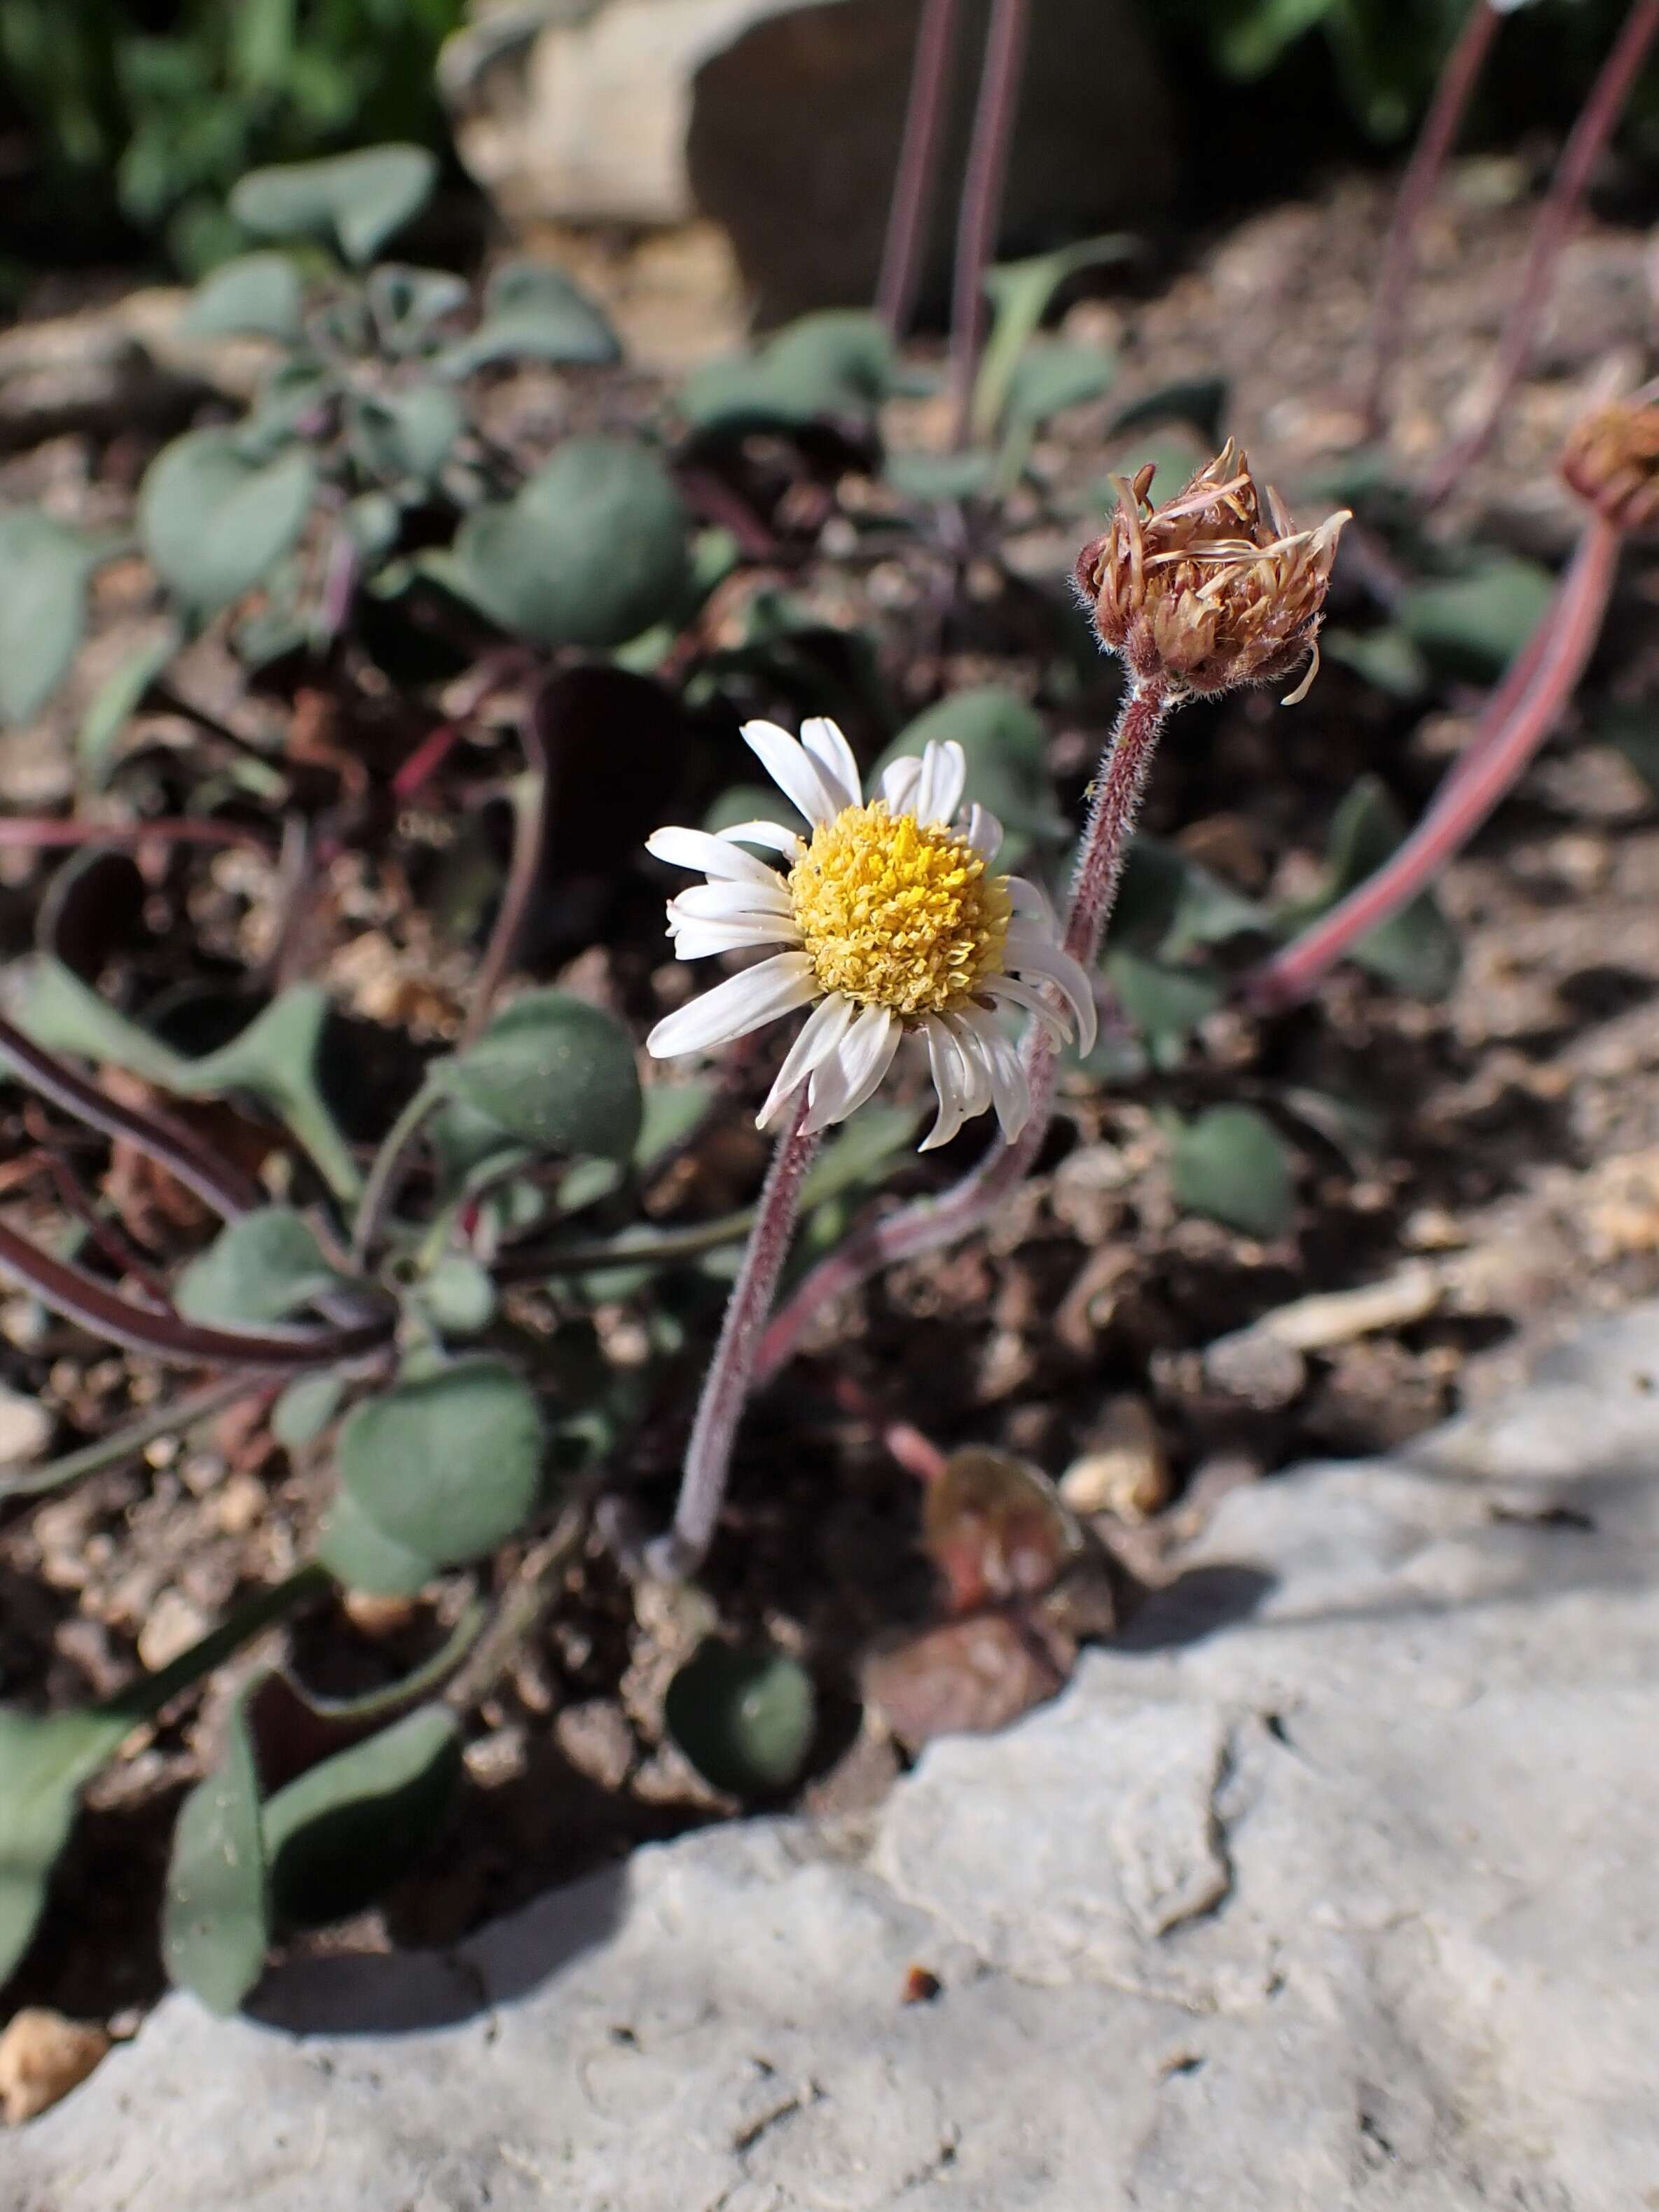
column 1612, row 460
column 1212, row 589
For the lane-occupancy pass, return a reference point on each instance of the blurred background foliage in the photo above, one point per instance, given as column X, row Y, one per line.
column 137, row 117
column 124, row 123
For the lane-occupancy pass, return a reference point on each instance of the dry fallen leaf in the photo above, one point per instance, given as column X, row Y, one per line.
column 967, row 1677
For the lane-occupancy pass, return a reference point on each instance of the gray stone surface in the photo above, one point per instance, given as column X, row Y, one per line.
column 780, row 119
column 1335, row 1888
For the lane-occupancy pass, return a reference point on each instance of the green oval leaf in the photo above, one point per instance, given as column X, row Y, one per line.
column 555, row 1074
column 355, row 200
column 745, row 1719
column 44, row 568
column 305, row 1409
column 1475, row 624
column 356, row 1553
column 350, row 1826
column 214, row 1918
column 1231, row 1164
column 117, row 701
column 459, row 1296
column 405, row 436
column 214, row 523
column 532, row 312
column 446, row 1466
column 260, row 1267
column 835, row 364
column 257, row 295
column 45, row 1763
column 594, row 550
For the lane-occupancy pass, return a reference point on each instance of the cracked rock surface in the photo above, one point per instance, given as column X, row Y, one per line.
column 1335, row 1887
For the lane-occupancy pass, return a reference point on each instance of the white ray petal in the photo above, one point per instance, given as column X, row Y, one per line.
column 898, row 783
column 1031, row 900
column 984, row 831
column 1034, row 952
column 710, row 856
column 793, row 769
column 825, row 1026
column 698, row 940
column 772, row 835
column 823, row 738
column 1013, row 993
column 945, row 1067
column 944, row 778
column 728, row 901
column 731, row 1009
column 975, row 1075
column 1010, row 1090
column 841, row 1082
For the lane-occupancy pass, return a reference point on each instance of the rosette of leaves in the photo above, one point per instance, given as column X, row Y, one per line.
column 358, row 457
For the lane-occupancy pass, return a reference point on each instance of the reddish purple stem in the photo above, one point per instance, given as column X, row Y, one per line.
column 52, row 832
column 726, row 1386
column 1493, row 760
column 909, row 216
column 1589, row 136
column 217, row 1181
column 1439, row 134
column 83, row 1298
column 981, row 218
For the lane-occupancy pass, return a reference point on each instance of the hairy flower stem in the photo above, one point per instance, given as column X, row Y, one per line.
column 1589, row 136
column 726, row 1385
column 932, row 1222
column 1491, row 763
column 981, row 201
column 1439, row 134
column 908, row 219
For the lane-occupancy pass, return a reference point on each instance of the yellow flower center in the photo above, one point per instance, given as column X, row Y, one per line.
column 896, row 914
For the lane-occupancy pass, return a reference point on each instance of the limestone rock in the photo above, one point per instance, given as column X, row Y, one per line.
column 1330, row 1887
column 780, row 119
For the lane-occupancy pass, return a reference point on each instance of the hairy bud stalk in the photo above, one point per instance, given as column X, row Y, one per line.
column 1214, row 589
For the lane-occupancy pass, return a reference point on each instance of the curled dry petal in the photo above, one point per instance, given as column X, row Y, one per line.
column 1612, row 460
column 1213, row 588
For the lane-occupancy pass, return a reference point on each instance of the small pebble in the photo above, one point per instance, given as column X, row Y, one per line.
column 172, row 1624
column 1126, row 1470
column 26, row 1428
column 378, row 1616
column 42, row 2057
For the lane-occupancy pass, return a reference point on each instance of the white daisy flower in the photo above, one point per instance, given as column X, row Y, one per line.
column 888, row 922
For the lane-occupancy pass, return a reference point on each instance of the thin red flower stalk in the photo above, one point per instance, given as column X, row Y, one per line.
column 44, row 831
column 932, row 1222
column 1441, row 125
column 1502, row 746
column 80, row 1298
column 1556, row 218
column 217, row 1181
column 731, row 1375
column 980, row 216
column 912, row 206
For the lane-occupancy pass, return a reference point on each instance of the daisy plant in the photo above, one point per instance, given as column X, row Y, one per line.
column 1197, row 595
column 889, row 921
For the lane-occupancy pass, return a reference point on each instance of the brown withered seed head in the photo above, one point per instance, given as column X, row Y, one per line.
column 1612, row 460
column 1212, row 589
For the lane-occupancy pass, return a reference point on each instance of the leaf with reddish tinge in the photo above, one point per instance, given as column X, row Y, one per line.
column 996, row 1528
